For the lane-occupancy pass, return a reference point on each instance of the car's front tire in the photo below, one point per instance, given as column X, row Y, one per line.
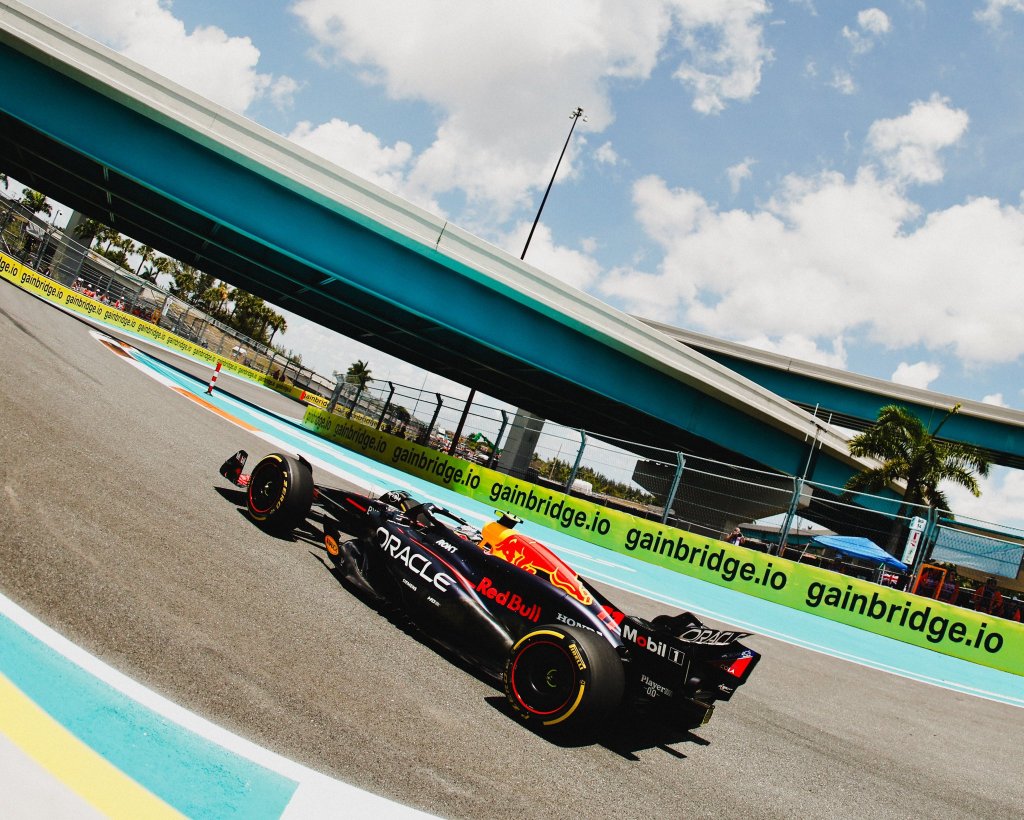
column 564, row 679
column 280, row 492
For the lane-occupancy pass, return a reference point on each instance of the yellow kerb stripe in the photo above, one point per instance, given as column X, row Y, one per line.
column 73, row 763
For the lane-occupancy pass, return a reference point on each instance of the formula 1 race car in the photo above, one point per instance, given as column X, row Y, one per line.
column 506, row 605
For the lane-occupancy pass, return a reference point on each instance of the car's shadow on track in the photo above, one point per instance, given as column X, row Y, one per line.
column 623, row 735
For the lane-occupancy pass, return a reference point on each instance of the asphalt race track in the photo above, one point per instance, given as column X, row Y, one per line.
column 117, row 533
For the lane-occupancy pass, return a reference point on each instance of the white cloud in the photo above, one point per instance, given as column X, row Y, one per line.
column 725, row 48
column 995, row 399
column 874, row 21
column 739, row 173
column 503, row 111
column 843, row 82
column 283, row 90
column 909, row 146
column 808, row 6
column 606, row 155
column 872, row 24
column 919, row 374
column 992, row 13
column 205, row 60
column 360, row 152
column 1001, row 501
column 576, row 268
column 831, row 352
column 830, row 257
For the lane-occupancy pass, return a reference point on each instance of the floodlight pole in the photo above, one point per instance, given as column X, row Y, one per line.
column 574, row 116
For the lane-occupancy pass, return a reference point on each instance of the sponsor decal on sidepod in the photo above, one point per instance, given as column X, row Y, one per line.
column 508, row 599
column 418, row 564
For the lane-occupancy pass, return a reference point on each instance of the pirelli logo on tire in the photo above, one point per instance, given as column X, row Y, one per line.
column 575, row 650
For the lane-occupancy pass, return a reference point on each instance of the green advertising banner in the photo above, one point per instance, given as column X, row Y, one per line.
column 46, row 288
column 961, row 633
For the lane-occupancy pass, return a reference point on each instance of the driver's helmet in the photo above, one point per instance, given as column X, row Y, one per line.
column 396, row 498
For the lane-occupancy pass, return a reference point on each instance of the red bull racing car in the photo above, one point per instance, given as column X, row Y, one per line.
column 505, row 604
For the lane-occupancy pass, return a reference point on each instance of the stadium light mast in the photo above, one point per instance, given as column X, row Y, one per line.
column 575, row 116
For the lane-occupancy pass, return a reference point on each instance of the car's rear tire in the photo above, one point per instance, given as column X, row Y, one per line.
column 280, row 492
column 564, row 679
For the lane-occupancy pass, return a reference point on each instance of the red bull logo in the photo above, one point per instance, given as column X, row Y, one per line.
column 508, row 599
column 533, row 557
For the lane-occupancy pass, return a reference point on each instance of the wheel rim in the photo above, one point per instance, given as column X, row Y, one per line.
column 544, row 678
column 265, row 488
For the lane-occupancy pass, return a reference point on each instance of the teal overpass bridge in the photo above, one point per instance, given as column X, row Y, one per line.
column 216, row 191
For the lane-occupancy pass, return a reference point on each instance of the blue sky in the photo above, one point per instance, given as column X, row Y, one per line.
column 836, row 181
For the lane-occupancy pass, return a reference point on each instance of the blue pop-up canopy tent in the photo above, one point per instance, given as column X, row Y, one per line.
column 858, row 548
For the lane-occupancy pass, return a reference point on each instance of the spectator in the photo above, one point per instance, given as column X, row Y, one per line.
column 950, row 589
column 989, row 599
column 735, row 537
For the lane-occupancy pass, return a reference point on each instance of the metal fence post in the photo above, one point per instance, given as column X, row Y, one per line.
column 425, row 437
column 387, row 405
column 798, row 489
column 335, row 395
column 928, row 538
column 497, row 439
column 579, row 458
column 671, row 497
column 457, row 435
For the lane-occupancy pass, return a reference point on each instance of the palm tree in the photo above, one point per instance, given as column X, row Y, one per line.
column 157, row 266
column 402, row 416
column 105, row 234
column 223, row 294
column 247, row 313
column 185, row 282
column 204, row 291
column 358, row 374
column 87, row 230
column 215, row 297
column 146, row 253
column 277, row 323
column 914, row 456
column 35, row 202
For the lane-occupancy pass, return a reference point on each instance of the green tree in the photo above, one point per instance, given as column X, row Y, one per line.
column 204, row 291
column 402, row 416
column 87, row 230
column 184, row 283
column 157, row 266
column 145, row 253
column 277, row 323
column 248, row 314
column 358, row 373
column 35, row 202
column 215, row 298
column 118, row 249
column 105, row 236
column 912, row 455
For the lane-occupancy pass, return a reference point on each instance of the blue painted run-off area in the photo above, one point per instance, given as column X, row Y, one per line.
column 193, row 775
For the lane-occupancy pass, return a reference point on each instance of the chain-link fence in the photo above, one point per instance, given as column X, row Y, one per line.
column 975, row 544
